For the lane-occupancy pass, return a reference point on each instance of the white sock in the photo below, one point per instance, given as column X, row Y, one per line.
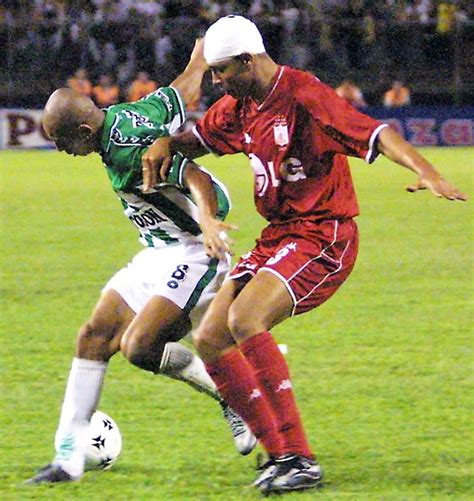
column 180, row 363
column 80, row 400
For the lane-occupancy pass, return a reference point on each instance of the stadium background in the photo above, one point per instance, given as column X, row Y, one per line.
column 426, row 44
column 383, row 372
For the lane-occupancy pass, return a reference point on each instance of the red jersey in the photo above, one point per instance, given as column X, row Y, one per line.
column 297, row 141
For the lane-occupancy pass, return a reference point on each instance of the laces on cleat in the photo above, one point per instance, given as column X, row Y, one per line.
column 244, row 439
column 236, row 423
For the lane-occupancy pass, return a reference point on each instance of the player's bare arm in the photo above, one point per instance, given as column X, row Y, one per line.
column 188, row 83
column 156, row 161
column 216, row 241
column 394, row 147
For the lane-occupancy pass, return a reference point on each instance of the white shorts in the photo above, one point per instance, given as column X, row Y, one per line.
column 183, row 273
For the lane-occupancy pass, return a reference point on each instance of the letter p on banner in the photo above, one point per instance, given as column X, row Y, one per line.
column 22, row 129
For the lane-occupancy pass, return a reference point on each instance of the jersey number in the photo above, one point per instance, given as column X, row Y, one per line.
column 291, row 170
column 178, row 275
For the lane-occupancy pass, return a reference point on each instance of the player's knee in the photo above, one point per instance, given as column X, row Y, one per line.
column 240, row 323
column 132, row 348
column 136, row 354
column 94, row 342
column 203, row 344
column 209, row 344
column 140, row 351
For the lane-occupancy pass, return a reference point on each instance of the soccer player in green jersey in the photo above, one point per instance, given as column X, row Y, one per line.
column 153, row 302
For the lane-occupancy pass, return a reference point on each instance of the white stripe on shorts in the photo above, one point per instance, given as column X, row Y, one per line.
column 322, row 253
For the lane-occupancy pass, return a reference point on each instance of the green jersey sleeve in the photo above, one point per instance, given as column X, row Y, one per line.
column 166, row 107
column 130, row 128
column 177, row 169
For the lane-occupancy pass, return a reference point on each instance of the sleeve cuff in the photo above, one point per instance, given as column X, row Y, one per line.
column 373, row 153
column 176, row 173
column 203, row 142
column 181, row 106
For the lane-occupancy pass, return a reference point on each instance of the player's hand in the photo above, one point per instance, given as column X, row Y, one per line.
column 156, row 163
column 216, row 240
column 438, row 186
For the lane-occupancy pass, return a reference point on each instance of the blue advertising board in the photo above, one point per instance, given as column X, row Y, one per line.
column 430, row 125
column 421, row 126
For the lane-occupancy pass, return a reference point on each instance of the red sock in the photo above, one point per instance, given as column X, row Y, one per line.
column 239, row 388
column 272, row 373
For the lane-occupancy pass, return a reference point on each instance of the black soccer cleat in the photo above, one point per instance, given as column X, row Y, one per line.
column 293, row 473
column 51, row 474
column 267, row 472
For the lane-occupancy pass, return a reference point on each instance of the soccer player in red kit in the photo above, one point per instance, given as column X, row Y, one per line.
column 297, row 133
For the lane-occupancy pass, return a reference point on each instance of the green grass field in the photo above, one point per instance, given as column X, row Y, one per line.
column 383, row 372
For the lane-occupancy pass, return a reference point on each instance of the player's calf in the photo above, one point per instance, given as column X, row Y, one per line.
column 142, row 350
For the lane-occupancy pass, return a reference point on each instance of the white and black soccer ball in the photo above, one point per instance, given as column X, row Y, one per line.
column 104, row 442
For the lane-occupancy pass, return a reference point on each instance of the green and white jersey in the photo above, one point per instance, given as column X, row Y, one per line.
column 168, row 215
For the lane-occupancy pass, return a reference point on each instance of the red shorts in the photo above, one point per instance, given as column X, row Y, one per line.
column 312, row 259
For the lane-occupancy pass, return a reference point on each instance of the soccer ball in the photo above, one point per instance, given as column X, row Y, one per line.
column 104, row 442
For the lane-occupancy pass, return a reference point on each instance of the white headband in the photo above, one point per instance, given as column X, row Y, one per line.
column 231, row 36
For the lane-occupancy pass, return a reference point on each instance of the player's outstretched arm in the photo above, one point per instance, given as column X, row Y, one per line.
column 156, row 161
column 216, row 240
column 189, row 82
column 394, row 147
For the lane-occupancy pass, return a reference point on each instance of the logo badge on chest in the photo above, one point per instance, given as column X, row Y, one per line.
column 280, row 132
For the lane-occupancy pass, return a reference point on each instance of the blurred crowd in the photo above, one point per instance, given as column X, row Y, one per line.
column 107, row 92
column 120, row 42
column 397, row 96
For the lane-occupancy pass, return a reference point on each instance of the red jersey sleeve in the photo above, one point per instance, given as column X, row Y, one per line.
column 353, row 133
column 220, row 130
